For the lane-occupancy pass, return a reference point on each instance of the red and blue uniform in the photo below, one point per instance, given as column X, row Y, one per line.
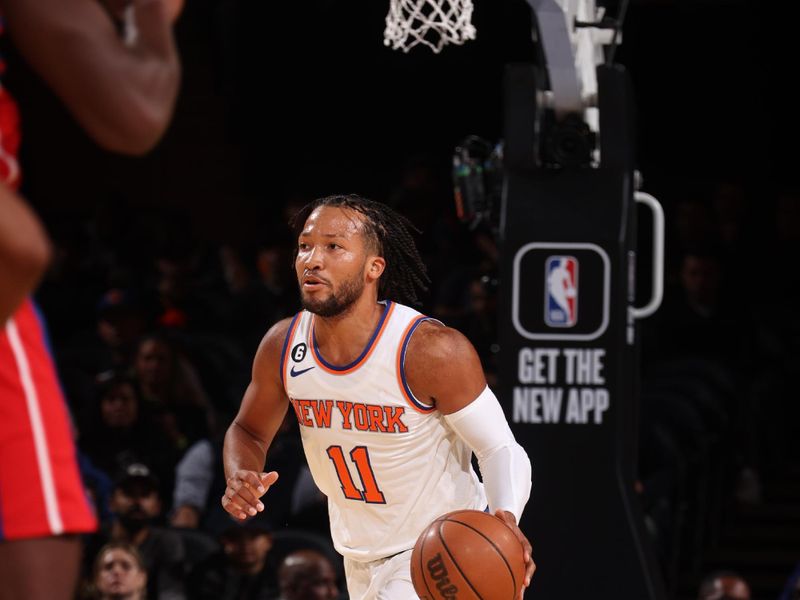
column 41, row 492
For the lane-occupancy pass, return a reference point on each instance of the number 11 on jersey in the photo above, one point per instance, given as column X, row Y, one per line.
column 360, row 458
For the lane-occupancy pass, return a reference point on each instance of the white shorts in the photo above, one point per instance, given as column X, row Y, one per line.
column 383, row 579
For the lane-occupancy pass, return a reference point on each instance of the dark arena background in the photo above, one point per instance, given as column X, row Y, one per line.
column 282, row 102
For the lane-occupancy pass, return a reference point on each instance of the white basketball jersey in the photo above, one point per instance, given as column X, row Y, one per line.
column 388, row 463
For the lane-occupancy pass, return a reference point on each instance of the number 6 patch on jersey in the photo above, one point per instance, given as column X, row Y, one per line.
column 299, row 352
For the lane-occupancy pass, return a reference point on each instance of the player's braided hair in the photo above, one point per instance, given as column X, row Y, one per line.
column 391, row 233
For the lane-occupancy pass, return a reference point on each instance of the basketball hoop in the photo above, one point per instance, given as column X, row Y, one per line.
column 434, row 23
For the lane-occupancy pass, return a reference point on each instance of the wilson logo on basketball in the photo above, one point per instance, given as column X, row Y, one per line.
column 438, row 573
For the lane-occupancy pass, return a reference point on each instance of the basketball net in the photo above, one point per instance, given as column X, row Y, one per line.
column 433, row 23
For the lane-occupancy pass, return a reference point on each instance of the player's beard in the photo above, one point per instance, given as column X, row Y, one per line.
column 337, row 303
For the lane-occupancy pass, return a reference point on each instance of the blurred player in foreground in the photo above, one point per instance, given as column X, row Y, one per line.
column 121, row 89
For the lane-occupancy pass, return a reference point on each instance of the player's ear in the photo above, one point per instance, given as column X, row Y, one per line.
column 376, row 265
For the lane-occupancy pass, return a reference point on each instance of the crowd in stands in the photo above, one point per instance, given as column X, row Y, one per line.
column 154, row 329
column 718, row 414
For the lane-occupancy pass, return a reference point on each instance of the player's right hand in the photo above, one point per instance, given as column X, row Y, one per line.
column 241, row 498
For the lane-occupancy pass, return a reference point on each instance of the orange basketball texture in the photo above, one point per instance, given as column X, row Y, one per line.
column 465, row 555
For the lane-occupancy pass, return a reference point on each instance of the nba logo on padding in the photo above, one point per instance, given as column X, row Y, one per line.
column 561, row 291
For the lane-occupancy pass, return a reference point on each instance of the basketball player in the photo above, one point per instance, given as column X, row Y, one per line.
column 122, row 92
column 391, row 404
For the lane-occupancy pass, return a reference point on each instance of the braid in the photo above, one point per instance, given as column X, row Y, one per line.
column 391, row 233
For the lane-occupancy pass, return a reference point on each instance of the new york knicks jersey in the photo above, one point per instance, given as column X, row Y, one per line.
column 388, row 463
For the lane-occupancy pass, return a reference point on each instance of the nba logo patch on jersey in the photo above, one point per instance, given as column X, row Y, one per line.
column 561, row 291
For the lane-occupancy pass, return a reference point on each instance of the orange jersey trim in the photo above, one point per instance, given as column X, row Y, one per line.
column 366, row 353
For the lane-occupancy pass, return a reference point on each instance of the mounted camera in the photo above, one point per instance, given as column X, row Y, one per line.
column 478, row 181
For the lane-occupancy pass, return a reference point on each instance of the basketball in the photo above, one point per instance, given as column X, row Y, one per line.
column 467, row 554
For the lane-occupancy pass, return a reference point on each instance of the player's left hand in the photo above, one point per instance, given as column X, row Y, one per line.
column 530, row 566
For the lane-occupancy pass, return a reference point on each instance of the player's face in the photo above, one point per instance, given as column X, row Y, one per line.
column 333, row 261
column 119, row 574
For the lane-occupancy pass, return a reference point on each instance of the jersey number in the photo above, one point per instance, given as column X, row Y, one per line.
column 360, row 458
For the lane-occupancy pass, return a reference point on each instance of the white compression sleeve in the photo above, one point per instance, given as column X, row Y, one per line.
column 505, row 466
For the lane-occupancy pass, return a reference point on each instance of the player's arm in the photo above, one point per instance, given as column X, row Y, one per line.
column 443, row 369
column 250, row 434
column 24, row 252
column 122, row 94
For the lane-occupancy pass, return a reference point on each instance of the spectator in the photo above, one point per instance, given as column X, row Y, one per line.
column 119, row 573
column 259, row 288
column 242, row 571
column 103, row 342
column 723, row 585
column 119, row 431
column 121, row 321
column 309, row 505
column 200, row 482
column 98, row 487
column 307, row 575
column 136, row 505
column 696, row 320
column 171, row 388
column 480, row 322
column 194, row 477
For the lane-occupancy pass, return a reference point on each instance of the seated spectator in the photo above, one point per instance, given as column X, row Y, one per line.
column 136, row 506
column 723, row 585
column 187, row 300
column 121, row 320
column 194, row 477
column 171, row 388
column 98, row 487
column 697, row 320
column 106, row 344
column 309, row 505
column 119, row 573
column 200, row 483
column 242, row 571
column 307, row 575
column 118, row 431
column 260, row 289
column 480, row 322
